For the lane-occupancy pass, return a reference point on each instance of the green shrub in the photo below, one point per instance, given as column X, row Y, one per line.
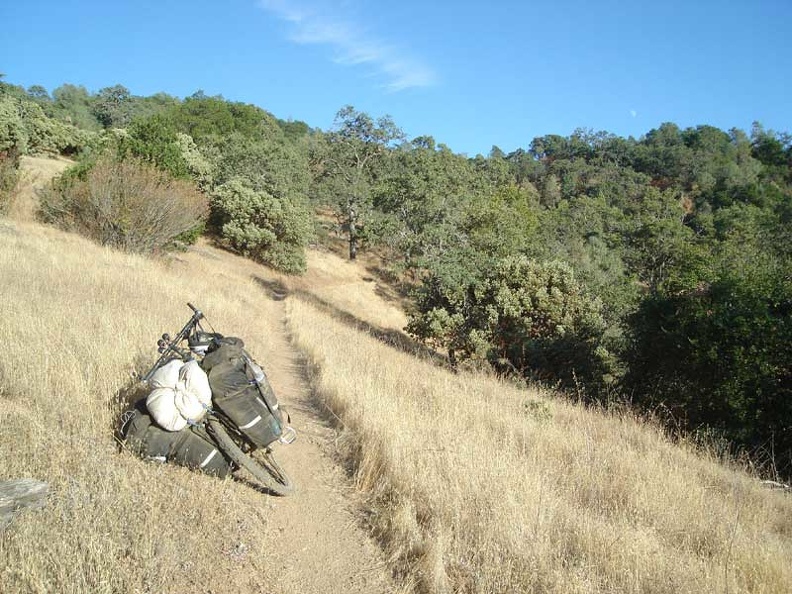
column 51, row 137
column 126, row 204
column 156, row 141
column 24, row 125
column 258, row 225
column 13, row 132
column 524, row 316
column 719, row 358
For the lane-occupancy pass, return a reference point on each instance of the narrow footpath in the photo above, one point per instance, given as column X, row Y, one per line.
column 319, row 543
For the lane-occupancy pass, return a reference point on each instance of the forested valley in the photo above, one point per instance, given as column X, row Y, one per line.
column 654, row 273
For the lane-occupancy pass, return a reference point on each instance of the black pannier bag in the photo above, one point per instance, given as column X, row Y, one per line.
column 142, row 436
column 241, row 391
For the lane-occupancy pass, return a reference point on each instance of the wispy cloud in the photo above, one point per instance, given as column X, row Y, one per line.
column 350, row 43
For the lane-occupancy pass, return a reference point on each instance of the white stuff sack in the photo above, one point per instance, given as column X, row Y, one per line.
column 166, row 376
column 187, row 405
column 161, row 403
column 181, row 394
column 196, row 382
column 193, row 394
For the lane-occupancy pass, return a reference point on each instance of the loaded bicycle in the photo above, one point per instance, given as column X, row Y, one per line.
column 210, row 407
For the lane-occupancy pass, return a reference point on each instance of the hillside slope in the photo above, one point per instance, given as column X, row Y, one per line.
column 78, row 320
column 468, row 484
column 35, row 172
column 479, row 486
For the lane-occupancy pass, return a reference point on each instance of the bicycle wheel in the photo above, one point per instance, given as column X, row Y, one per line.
column 269, row 474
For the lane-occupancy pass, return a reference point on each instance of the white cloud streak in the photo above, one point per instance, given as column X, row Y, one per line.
column 351, row 45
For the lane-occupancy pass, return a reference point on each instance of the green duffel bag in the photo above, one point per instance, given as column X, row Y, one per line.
column 242, row 392
column 190, row 447
column 251, row 415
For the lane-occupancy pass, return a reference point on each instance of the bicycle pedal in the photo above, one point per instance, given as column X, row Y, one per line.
column 288, row 436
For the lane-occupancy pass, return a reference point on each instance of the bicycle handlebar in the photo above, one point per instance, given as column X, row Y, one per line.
column 172, row 345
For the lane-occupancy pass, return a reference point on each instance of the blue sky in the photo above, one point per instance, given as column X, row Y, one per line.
column 472, row 74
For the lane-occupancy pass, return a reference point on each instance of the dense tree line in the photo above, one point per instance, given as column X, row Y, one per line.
column 252, row 167
column 655, row 270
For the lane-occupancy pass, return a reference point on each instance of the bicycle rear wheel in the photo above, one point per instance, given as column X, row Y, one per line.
column 269, row 473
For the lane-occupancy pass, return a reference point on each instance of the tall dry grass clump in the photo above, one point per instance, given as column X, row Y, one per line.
column 477, row 486
column 126, row 204
column 77, row 320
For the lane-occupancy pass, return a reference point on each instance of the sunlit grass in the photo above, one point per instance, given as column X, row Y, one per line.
column 473, row 485
column 477, row 486
column 77, row 321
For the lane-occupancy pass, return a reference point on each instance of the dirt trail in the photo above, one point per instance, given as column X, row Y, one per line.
column 319, row 544
column 35, row 173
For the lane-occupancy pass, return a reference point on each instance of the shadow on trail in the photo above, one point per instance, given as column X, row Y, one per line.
column 394, row 338
column 276, row 289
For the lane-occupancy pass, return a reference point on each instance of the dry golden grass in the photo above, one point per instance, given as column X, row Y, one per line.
column 76, row 321
column 474, row 486
column 344, row 286
column 35, row 173
column 477, row 486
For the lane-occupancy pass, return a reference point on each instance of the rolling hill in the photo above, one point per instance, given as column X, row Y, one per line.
column 410, row 477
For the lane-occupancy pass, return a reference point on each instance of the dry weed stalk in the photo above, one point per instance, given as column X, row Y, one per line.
column 126, row 204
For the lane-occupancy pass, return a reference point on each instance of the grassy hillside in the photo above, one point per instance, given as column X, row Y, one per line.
column 473, row 485
column 35, row 173
column 477, row 486
column 77, row 321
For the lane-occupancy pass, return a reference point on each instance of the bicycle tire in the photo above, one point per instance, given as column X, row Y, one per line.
column 270, row 475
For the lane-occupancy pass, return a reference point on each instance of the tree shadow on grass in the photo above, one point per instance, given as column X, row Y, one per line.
column 275, row 288
column 394, row 338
